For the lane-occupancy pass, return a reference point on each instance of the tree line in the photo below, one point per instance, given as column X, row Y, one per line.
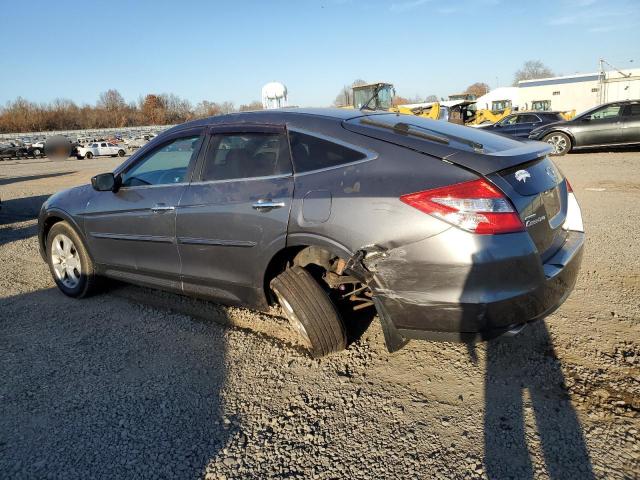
column 111, row 110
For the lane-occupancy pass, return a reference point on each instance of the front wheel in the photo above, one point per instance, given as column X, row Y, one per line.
column 88, row 155
column 560, row 142
column 70, row 265
column 310, row 311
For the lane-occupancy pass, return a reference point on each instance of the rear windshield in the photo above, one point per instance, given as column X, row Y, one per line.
column 437, row 132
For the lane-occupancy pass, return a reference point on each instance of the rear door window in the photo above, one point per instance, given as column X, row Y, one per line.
column 313, row 153
column 528, row 118
column 246, row 155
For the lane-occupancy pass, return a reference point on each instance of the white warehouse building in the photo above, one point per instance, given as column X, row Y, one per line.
column 571, row 92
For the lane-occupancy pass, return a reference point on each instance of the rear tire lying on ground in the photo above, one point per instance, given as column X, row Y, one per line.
column 310, row 310
column 70, row 265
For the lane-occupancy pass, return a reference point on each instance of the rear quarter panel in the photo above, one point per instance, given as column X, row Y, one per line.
column 363, row 197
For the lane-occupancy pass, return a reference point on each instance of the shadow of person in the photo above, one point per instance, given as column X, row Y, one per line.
column 106, row 388
column 527, row 363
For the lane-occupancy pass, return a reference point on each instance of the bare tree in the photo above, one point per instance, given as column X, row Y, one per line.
column 111, row 100
column 478, row 89
column 255, row 105
column 431, row 98
column 531, row 70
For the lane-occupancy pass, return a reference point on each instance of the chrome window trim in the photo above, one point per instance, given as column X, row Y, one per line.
column 243, row 179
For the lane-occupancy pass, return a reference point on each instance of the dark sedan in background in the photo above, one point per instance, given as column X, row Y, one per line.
column 522, row 123
column 607, row 125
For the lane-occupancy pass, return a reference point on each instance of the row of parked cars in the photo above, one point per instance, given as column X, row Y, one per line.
column 19, row 149
column 607, row 125
column 82, row 147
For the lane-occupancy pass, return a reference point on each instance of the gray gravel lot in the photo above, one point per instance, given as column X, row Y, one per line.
column 138, row 383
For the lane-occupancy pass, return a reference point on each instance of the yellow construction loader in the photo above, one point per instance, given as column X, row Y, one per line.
column 488, row 116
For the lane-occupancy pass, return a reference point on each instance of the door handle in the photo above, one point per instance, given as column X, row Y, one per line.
column 161, row 208
column 266, row 205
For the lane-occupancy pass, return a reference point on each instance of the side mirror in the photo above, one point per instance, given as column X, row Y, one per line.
column 104, row 182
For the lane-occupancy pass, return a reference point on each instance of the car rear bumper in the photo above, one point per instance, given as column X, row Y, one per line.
column 496, row 293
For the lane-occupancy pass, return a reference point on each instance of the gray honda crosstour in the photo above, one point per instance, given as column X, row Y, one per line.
column 446, row 232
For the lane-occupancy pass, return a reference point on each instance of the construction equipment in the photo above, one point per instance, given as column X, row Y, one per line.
column 379, row 96
column 488, row 116
column 373, row 96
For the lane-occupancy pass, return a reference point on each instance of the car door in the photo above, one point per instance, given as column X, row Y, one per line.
column 132, row 231
column 103, row 149
column 525, row 123
column 233, row 216
column 602, row 126
column 631, row 123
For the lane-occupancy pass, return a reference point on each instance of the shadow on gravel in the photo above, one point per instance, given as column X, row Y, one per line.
column 19, row 210
column 103, row 388
column 29, row 178
column 528, row 363
column 626, row 148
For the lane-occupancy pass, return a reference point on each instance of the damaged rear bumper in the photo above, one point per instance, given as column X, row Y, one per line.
column 490, row 287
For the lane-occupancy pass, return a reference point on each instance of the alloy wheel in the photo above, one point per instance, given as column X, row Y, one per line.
column 558, row 142
column 65, row 260
column 293, row 319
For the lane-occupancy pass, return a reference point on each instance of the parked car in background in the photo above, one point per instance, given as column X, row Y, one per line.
column 611, row 124
column 470, row 235
column 98, row 149
column 35, row 149
column 520, row 124
column 12, row 150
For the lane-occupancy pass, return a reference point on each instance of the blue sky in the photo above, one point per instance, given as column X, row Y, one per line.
column 227, row 50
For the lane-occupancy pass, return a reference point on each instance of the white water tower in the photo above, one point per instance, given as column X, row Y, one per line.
column 274, row 95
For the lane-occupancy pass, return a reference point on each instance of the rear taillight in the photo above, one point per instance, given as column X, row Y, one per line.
column 476, row 206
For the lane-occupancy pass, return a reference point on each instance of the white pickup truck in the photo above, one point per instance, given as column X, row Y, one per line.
column 96, row 149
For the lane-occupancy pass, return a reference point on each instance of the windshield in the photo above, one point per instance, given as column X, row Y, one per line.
column 382, row 101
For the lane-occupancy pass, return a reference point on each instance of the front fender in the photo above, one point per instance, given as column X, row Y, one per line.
column 45, row 222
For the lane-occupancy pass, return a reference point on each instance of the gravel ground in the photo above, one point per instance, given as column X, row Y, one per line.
column 138, row 383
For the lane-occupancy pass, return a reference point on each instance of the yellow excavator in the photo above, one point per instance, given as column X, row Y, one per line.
column 379, row 96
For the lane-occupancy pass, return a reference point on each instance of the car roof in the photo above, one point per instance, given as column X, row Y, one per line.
column 277, row 116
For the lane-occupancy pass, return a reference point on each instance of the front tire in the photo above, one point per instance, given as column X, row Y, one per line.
column 88, row 155
column 560, row 142
column 70, row 265
column 310, row 311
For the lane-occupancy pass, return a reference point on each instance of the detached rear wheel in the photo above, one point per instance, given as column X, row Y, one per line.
column 560, row 142
column 310, row 311
column 69, row 262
